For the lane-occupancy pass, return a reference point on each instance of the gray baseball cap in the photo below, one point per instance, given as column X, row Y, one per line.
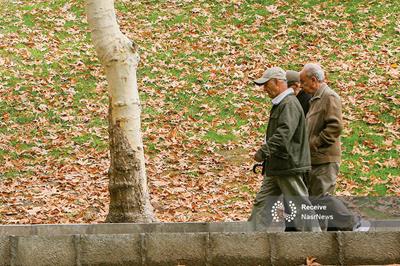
column 271, row 73
column 292, row 76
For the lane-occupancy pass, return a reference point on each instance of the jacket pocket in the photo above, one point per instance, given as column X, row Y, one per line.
column 281, row 155
column 279, row 161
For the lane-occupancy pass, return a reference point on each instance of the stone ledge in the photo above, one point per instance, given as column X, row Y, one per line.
column 132, row 228
column 121, row 249
column 239, row 249
column 190, row 244
column 122, row 228
column 43, row 250
column 367, row 248
column 5, row 250
column 291, row 249
column 176, row 249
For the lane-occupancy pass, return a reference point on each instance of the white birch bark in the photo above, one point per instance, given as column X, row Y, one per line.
column 129, row 197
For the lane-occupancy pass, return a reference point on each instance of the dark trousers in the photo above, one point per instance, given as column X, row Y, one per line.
column 267, row 202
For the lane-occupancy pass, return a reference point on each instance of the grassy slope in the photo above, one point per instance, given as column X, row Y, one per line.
column 202, row 117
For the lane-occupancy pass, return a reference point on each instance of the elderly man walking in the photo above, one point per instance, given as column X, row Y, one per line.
column 324, row 123
column 286, row 155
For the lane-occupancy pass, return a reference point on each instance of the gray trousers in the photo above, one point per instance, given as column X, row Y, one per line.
column 294, row 192
column 322, row 179
column 321, row 183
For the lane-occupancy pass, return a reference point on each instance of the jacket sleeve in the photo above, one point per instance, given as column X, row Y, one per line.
column 287, row 123
column 333, row 122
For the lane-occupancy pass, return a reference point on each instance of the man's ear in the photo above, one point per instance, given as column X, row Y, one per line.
column 314, row 79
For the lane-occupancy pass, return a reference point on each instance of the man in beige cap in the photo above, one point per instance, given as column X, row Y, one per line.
column 293, row 81
column 286, row 155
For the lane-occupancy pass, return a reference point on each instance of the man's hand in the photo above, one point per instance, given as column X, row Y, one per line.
column 259, row 156
column 314, row 144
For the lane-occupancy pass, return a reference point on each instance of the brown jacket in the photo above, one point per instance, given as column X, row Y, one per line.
column 324, row 122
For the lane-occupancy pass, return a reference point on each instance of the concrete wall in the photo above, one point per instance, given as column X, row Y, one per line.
column 190, row 244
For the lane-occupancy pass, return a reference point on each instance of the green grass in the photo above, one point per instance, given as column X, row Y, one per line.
column 90, row 139
column 219, row 138
column 368, row 163
column 212, row 58
column 10, row 174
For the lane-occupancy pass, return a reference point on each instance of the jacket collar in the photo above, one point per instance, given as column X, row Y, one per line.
column 280, row 97
column 318, row 94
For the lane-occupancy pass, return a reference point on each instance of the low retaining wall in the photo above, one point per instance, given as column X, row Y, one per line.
column 190, row 244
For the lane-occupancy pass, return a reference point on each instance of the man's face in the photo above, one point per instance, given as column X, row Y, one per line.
column 309, row 84
column 271, row 88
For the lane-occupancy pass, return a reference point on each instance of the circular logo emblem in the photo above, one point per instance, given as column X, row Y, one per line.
column 279, row 205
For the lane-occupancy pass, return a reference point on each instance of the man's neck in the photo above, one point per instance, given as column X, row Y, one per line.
column 320, row 85
column 282, row 89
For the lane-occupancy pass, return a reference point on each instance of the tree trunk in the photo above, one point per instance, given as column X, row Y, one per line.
column 129, row 196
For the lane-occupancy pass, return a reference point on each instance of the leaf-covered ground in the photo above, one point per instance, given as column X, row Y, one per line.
column 202, row 117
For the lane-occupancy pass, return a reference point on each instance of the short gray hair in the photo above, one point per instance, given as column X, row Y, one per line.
column 314, row 70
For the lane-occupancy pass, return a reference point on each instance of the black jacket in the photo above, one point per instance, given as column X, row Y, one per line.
column 304, row 99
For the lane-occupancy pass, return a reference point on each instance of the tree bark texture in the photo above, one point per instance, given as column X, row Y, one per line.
column 129, row 196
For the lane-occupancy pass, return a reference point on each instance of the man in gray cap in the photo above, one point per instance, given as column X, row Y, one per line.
column 293, row 81
column 286, row 155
